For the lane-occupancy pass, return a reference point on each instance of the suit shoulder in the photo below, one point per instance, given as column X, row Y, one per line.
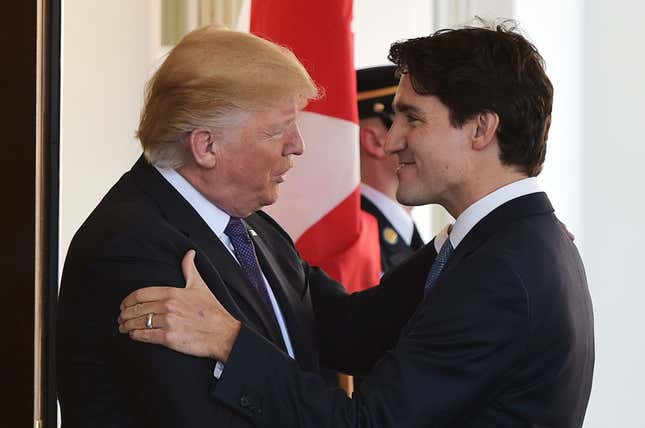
column 534, row 246
column 124, row 223
column 491, row 268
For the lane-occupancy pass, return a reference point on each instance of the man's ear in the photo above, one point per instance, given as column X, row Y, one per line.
column 371, row 143
column 201, row 146
column 486, row 126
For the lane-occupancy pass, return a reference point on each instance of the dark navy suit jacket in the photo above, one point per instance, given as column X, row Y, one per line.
column 504, row 338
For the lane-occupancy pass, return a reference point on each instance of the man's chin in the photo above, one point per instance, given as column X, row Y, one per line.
column 407, row 196
column 404, row 200
column 270, row 198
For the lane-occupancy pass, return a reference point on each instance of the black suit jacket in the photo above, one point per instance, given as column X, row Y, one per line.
column 136, row 237
column 504, row 338
column 393, row 249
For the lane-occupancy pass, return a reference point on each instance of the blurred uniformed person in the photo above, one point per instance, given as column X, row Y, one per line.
column 398, row 236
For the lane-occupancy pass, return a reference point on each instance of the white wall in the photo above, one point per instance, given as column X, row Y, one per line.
column 613, row 204
column 105, row 64
column 452, row 13
column 379, row 23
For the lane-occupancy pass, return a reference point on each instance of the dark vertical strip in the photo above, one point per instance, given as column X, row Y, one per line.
column 53, row 43
column 18, row 29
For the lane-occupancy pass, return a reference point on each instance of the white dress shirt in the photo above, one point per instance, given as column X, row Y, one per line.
column 216, row 219
column 480, row 209
column 392, row 210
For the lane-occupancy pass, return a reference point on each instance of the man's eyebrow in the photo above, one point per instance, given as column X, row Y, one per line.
column 285, row 120
column 405, row 108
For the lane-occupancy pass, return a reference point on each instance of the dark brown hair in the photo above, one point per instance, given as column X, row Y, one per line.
column 473, row 70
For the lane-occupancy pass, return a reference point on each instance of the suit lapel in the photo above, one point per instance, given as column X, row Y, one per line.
column 182, row 215
column 289, row 299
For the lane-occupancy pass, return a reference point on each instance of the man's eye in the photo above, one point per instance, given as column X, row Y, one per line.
column 410, row 118
column 273, row 135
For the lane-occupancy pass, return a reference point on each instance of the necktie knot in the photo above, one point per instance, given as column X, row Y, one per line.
column 235, row 229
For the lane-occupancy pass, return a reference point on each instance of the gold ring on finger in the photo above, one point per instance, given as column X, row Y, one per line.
column 149, row 320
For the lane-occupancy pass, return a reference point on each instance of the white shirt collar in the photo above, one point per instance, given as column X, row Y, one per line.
column 480, row 209
column 215, row 218
column 392, row 210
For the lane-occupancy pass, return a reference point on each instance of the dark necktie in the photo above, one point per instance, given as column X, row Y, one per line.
column 245, row 254
column 439, row 262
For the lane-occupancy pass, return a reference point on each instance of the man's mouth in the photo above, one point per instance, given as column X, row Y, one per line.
column 281, row 176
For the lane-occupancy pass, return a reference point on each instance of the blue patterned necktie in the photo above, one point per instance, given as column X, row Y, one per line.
column 245, row 254
column 439, row 262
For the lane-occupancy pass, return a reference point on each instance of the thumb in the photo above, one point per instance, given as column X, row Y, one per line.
column 191, row 274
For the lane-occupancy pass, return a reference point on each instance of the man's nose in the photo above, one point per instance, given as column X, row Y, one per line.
column 295, row 144
column 394, row 140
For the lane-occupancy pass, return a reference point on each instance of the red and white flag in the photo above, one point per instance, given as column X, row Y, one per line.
column 319, row 203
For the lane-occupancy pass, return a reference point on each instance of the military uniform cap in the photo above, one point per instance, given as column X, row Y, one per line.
column 376, row 87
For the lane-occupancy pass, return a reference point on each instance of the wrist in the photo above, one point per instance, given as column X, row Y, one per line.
column 224, row 346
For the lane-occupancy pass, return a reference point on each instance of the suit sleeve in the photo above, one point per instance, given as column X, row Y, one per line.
column 355, row 330
column 163, row 387
column 454, row 351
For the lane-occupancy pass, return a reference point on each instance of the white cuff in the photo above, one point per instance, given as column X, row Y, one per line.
column 219, row 368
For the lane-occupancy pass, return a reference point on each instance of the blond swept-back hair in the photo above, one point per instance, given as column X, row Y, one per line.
column 208, row 79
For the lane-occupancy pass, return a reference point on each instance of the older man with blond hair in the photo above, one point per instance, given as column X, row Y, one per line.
column 219, row 132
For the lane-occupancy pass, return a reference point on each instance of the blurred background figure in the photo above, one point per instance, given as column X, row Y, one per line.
column 398, row 235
